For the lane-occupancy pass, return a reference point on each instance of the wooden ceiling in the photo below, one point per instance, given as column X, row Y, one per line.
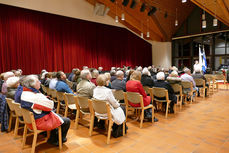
column 218, row 8
column 161, row 28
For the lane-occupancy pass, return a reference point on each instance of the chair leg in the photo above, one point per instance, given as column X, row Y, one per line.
column 58, row 107
column 60, row 137
column 66, row 111
column 91, row 125
column 153, row 114
column 77, row 119
column 34, row 142
column 24, row 136
column 141, row 118
column 124, row 128
column 16, row 127
column 126, row 112
column 10, row 121
column 109, row 132
column 167, row 108
column 175, row 108
column 181, row 98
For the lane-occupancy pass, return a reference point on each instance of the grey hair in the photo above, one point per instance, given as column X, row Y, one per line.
column 146, row 71
column 84, row 73
column 186, row 70
column 119, row 73
column 160, row 76
column 30, row 81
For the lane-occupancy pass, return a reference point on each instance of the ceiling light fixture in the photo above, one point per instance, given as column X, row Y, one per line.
column 176, row 21
column 184, row 1
column 116, row 16
column 215, row 21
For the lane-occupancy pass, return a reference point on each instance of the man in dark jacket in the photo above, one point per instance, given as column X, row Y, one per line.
column 161, row 83
column 119, row 83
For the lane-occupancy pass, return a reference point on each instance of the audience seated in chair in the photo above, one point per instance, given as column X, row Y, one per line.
column 173, row 78
column 108, row 80
column 4, row 85
column 76, row 76
column 94, row 75
column 12, row 85
column 188, row 77
column 61, row 85
column 47, row 79
column 161, row 83
column 198, row 75
column 146, row 79
column 41, row 107
column 53, row 81
column 134, row 85
column 85, row 87
column 119, row 83
column 105, row 94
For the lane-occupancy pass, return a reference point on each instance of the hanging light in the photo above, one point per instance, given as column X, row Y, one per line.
column 142, row 35
column 203, row 16
column 148, row 34
column 215, row 21
column 204, row 24
column 184, row 1
column 116, row 19
column 176, row 21
column 116, row 16
column 123, row 17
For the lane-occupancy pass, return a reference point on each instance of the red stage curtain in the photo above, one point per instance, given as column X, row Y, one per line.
column 33, row 41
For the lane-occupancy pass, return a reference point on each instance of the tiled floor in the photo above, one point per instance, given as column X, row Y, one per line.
column 202, row 127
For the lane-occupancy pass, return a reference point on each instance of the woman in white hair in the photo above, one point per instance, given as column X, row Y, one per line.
column 146, row 79
column 161, row 83
column 4, row 85
column 12, row 84
column 173, row 78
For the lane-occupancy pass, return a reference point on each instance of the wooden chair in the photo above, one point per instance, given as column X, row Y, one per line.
column 82, row 107
column 211, row 82
column 101, row 107
column 200, row 83
column 59, row 97
column 69, row 103
column 118, row 94
column 29, row 119
column 49, row 92
column 70, row 84
column 44, row 89
column 187, row 89
column 12, row 112
column 146, row 88
column 17, row 108
column 136, row 98
column 178, row 91
column 162, row 93
column 220, row 78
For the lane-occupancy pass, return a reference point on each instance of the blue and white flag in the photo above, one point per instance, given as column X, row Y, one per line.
column 204, row 63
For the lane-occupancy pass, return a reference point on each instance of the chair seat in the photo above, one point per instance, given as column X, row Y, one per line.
column 146, row 107
column 163, row 101
column 72, row 106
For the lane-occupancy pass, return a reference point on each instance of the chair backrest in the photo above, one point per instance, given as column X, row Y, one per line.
column 146, row 88
column 199, row 82
column 159, row 92
column 99, row 106
column 44, row 88
column 177, row 88
column 10, row 104
column 118, row 94
column 134, row 97
column 17, row 108
column 219, row 77
column 28, row 118
column 186, row 84
column 70, row 84
column 48, row 91
column 53, row 93
column 69, row 98
column 82, row 102
column 60, row 96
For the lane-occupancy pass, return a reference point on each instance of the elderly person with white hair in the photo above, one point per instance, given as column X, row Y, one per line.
column 113, row 75
column 12, row 84
column 198, row 75
column 146, row 79
column 42, row 108
column 161, row 83
column 173, row 78
column 85, row 87
column 119, row 83
column 100, row 69
column 4, row 85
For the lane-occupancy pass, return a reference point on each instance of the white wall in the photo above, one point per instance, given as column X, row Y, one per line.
column 162, row 54
column 80, row 9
